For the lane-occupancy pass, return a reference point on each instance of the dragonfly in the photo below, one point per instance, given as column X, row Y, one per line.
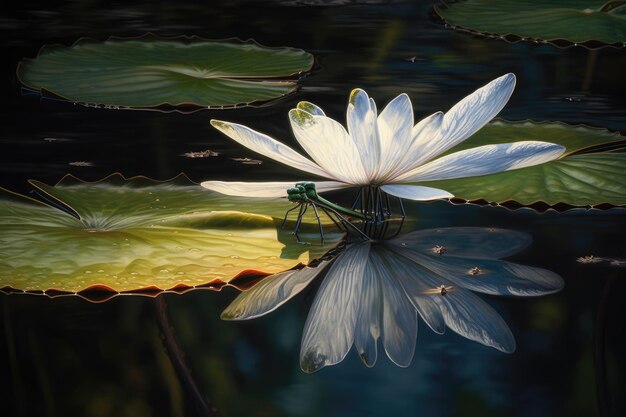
column 304, row 195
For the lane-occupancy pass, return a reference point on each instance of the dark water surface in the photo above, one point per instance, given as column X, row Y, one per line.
column 65, row 357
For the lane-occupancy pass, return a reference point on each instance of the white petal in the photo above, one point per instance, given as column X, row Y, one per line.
column 395, row 124
column 466, row 242
column 462, row 311
column 426, row 128
column 484, row 160
column 271, row 293
column 368, row 324
column 330, row 325
column 484, row 273
column 466, row 117
column 415, row 280
column 414, row 153
column 470, row 114
column 363, row 127
column 399, row 317
column 328, row 143
column 310, row 108
column 469, row 316
column 265, row 189
column 416, row 192
column 267, row 146
column 493, row 277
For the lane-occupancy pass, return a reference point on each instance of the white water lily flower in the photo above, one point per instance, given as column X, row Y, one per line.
column 377, row 291
column 388, row 150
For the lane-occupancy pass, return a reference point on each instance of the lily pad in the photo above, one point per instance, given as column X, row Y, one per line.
column 557, row 21
column 121, row 235
column 150, row 72
column 588, row 174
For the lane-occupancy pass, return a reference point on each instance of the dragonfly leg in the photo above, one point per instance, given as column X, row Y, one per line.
column 337, row 223
column 348, row 223
column 282, row 225
column 303, row 208
column 319, row 222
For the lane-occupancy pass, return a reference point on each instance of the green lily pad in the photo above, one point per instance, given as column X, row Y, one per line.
column 150, row 72
column 134, row 235
column 557, row 21
column 586, row 175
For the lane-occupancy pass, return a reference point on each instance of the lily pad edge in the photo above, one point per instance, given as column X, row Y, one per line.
column 540, row 205
column 164, row 107
column 514, row 38
column 101, row 293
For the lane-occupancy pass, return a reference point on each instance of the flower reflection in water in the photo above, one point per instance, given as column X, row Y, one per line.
column 376, row 290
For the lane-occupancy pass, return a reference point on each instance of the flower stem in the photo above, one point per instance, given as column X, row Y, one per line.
column 177, row 357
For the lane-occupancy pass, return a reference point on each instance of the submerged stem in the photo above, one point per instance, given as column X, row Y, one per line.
column 18, row 387
column 177, row 357
column 599, row 349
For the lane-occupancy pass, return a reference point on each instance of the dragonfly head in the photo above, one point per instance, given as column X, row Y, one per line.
column 297, row 193
column 309, row 189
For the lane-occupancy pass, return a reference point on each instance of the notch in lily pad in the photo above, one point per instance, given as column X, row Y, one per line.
column 140, row 236
column 151, row 72
column 591, row 23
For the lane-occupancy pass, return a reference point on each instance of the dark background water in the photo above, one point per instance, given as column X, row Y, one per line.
column 67, row 356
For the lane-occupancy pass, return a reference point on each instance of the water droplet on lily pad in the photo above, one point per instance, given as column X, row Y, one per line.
column 198, row 235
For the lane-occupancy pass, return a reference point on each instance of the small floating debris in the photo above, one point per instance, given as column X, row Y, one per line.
column 439, row 250
column 474, row 271
column 81, row 164
column 440, row 290
column 248, row 161
column 52, row 140
column 591, row 259
column 415, row 58
column 200, row 154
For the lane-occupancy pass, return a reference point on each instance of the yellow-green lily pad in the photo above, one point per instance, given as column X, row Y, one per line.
column 149, row 72
column 590, row 173
column 557, row 21
column 140, row 235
